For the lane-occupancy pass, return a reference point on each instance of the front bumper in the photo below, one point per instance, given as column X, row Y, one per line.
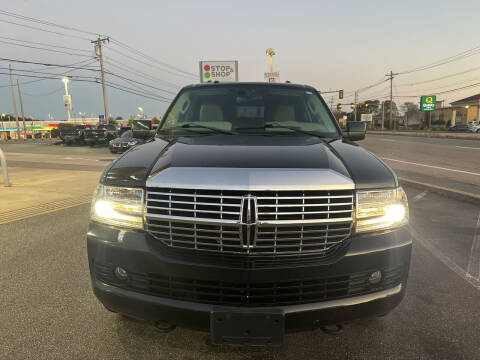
column 147, row 261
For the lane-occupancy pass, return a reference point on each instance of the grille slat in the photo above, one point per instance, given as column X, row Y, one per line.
column 255, row 223
column 250, row 294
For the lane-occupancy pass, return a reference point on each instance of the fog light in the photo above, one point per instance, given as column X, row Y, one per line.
column 120, row 273
column 375, row 277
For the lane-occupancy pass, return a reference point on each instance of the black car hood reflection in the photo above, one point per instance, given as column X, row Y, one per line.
column 348, row 159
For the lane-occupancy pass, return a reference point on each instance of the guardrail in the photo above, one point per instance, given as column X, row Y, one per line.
column 3, row 163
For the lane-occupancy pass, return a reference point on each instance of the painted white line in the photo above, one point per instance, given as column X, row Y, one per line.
column 419, row 196
column 444, row 259
column 467, row 147
column 432, row 166
column 387, row 140
column 473, row 268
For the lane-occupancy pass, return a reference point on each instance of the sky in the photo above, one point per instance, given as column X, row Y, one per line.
column 327, row 44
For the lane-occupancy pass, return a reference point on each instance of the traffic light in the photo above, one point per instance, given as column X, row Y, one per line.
column 339, row 106
column 352, row 106
column 340, row 94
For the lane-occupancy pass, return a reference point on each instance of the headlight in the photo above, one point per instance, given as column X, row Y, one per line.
column 381, row 210
column 118, row 206
column 131, row 143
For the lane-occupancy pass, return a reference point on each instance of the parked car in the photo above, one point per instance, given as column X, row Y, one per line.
column 124, row 142
column 459, row 128
column 74, row 135
column 123, row 129
column 247, row 215
column 101, row 134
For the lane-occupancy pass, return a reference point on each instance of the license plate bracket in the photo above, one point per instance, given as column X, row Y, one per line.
column 251, row 328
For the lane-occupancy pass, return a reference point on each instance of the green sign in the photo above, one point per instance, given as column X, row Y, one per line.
column 428, row 103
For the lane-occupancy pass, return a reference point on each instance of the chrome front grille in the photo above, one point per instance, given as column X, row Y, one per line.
column 259, row 222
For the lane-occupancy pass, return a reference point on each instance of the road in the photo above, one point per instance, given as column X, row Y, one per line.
column 50, row 312
column 450, row 163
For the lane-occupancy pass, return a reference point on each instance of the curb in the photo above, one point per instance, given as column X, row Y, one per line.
column 456, row 194
column 434, row 135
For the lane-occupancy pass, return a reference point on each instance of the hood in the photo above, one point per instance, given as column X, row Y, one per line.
column 310, row 159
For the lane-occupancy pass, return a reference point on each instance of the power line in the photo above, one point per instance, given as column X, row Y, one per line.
column 112, row 85
column 146, row 56
column 137, row 92
column 40, row 29
column 44, row 22
column 131, row 70
column 46, row 73
column 53, row 67
column 151, row 65
column 441, row 78
column 459, row 56
column 43, row 44
column 140, row 83
column 45, row 49
column 70, row 66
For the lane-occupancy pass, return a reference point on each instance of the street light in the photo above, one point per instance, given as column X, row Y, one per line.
column 65, row 80
column 270, row 52
column 142, row 111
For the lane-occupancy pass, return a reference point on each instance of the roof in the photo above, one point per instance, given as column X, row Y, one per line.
column 470, row 99
column 212, row 84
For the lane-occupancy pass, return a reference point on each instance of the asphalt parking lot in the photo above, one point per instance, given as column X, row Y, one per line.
column 50, row 312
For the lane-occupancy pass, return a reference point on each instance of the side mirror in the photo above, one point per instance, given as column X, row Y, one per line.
column 355, row 130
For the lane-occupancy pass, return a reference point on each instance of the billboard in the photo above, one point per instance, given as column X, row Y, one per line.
column 428, row 103
column 366, row 117
column 272, row 77
column 223, row 71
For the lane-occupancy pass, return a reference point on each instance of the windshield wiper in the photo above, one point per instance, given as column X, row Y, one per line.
column 278, row 126
column 190, row 126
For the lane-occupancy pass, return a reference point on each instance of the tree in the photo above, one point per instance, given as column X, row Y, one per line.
column 155, row 120
column 119, row 118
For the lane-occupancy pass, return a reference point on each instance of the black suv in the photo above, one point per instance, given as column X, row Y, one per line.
column 101, row 134
column 249, row 214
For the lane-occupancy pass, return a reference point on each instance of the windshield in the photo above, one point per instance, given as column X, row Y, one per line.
column 250, row 109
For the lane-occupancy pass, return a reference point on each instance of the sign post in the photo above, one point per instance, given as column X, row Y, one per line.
column 272, row 77
column 67, row 102
column 428, row 103
column 223, row 71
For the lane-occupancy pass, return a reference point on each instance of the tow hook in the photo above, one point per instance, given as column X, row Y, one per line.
column 336, row 329
column 164, row 326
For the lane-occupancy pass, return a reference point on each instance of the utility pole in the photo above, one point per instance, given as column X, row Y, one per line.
column 355, row 106
column 331, row 103
column 14, row 102
column 390, row 76
column 21, row 108
column 383, row 115
column 98, row 51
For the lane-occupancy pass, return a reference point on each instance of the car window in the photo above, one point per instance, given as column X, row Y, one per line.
column 127, row 134
column 238, row 107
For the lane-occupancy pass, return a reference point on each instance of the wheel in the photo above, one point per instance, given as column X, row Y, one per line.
column 112, row 151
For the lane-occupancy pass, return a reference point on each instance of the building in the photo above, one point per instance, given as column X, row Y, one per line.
column 471, row 104
column 460, row 112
